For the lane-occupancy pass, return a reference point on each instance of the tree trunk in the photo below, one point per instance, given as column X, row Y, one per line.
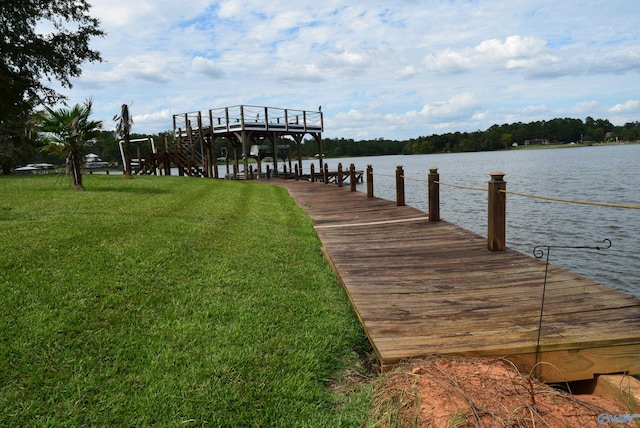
column 127, row 156
column 5, row 167
column 74, row 161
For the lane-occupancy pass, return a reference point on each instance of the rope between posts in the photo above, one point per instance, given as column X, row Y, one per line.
column 384, row 175
column 570, row 201
column 479, row 189
column 526, row 195
column 415, row 179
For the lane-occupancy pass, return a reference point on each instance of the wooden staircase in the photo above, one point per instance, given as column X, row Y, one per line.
column 186, row 155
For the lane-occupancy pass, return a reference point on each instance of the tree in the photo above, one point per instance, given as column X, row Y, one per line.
column 123, row 128
column 16, row 142
column 69, row 130
column 40, row 41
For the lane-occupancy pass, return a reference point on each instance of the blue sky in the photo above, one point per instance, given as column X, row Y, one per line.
column 394, row 69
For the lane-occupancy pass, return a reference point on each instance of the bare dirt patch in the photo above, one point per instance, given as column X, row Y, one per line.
column 479, row 392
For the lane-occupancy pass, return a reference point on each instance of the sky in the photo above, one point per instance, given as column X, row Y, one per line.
column 380, row 69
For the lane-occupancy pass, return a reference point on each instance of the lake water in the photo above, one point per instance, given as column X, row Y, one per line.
column 609, row 174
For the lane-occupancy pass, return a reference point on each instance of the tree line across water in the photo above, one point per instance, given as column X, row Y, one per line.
column 497, row 137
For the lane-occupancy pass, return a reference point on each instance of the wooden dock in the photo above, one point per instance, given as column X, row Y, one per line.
column 422, row 288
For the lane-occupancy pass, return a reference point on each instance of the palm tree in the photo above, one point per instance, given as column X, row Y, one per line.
column 71, row 131
column 124, row 128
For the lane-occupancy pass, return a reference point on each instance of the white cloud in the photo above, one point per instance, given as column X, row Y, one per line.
column 406, row 73
column 515, row 52
column 585, row 107
column 206, row 66
column 513, row 47
column 630, row 105
column 299, row 72
column 449, row 61
column 459, row 106
column 231, row 9
column 152, row 117
column 351, row 115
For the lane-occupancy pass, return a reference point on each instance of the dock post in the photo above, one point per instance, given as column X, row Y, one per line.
column 497, row 212
column 284, row 170
column 369, row 181
column 312, row 174
column 399, row 186
column 268, row 172
column 434, row 194
column 166, row 157
column 297, row 173
column 352, row 177
column 326, row 173
column 339, row 179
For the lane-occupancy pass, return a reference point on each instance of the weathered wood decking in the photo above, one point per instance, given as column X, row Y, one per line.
column 423, row 288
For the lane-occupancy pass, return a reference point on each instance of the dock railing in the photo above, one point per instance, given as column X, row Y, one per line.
column 496, row 195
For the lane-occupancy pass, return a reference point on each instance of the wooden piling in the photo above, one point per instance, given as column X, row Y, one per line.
column 434, row 194
column 339, row 178
column 352, row 177
column 369, row 181
column 496, row 228
column 400, row 186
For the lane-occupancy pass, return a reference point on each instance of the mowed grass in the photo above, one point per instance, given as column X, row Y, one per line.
column 169, row 301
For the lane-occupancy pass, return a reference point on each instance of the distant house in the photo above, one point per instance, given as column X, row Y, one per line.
column 544, row 141
column 93, row 161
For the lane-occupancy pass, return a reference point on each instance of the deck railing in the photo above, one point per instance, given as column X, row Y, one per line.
column 243, row 117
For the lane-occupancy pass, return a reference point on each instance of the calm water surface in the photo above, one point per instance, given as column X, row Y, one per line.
column 601, row 174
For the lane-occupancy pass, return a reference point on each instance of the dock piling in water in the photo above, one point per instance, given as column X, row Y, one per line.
column 400, row 186
column 434, row 194
column 496, row 228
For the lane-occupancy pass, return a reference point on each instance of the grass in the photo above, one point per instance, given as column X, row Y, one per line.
column 168, row 301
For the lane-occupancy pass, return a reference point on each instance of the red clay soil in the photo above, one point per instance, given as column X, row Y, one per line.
column 478, row 392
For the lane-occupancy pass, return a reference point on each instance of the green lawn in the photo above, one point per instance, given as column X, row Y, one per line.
column 169, row 301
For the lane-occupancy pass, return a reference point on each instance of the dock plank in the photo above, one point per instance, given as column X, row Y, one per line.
column 421, row 287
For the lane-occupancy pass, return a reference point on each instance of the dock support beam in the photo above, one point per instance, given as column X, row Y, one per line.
column 352, row 177
column 400, row 186
column 496, row 228
column 434, row 194
column 369, row 181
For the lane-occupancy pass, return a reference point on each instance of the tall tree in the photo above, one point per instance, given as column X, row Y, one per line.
column 40, row 41
column 71, row 131
column 123, row 128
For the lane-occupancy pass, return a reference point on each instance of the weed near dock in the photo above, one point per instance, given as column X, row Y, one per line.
column 439, row 391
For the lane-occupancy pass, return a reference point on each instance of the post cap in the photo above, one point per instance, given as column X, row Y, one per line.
column 497, row 175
